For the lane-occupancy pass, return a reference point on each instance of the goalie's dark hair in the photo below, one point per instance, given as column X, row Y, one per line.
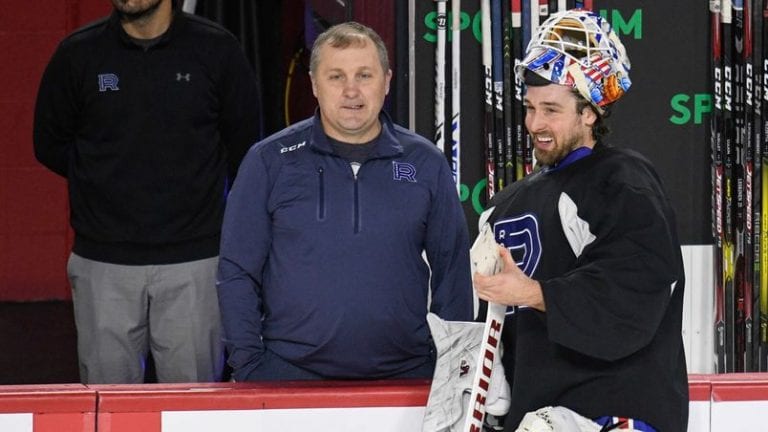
column 600, row 129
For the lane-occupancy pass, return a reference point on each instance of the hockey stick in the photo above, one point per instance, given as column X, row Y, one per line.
column 489, row 352
column 717, row 186
column 517, row 53
column 485, row 260
column 757, row 140
column 763, row 288
column 749, row 151
column 456, row 93
column 533, row 5
column 497, row 73
column 490, row 161
column 533, row 12
column 525, row 22
column 544, row 10
column 509, row 114
column 740, row 179
column 440, row 76
column 728, row 176
column 584, row 4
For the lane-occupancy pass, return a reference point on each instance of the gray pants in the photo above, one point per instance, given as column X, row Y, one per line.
column 123, row 312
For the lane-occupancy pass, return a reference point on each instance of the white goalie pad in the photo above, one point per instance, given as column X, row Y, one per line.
column 458, row 348
column 556, row 419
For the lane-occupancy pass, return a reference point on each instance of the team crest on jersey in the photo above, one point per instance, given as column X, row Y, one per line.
column 108, row 82
column 520, row 234
column 403, row 171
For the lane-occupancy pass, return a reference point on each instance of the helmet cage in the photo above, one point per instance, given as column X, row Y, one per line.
column 579, row 49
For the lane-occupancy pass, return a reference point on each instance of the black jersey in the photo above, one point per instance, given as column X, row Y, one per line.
column 599, row 235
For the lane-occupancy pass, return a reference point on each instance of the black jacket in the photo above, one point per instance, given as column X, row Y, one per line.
column 148, row 139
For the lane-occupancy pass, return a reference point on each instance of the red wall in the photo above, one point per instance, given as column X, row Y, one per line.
column 35, row 238
column 34, row 227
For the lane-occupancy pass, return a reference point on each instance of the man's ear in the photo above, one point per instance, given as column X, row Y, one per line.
column 314, row 87
column 588, row 116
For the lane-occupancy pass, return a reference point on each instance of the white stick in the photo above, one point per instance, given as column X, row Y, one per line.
column 456, row 93
column 440, row 76
column 534, row 16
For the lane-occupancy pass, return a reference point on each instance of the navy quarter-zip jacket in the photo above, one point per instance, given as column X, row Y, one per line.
column 325, row 268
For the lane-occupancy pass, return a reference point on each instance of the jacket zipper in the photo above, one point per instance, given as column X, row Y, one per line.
column 357, row 208
column 356, row 198
column 321, row 196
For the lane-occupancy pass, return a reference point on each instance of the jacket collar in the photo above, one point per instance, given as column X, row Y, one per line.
column 386, row 144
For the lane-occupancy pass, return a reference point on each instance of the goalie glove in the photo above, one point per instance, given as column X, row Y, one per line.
column 458, row 346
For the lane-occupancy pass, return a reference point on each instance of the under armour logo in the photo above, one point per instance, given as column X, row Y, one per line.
column 108, row 81
column 404, row 171
column 180, row 76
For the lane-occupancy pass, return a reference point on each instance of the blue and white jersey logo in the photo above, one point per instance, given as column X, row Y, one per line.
column 520, row 235
column 403, row 171
column 108, row 81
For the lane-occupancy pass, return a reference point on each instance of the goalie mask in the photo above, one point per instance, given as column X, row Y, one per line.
column 579, row 49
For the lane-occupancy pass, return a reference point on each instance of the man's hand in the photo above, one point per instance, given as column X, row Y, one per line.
column 511, row 286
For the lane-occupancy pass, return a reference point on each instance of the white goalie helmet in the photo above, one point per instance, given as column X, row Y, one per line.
column 579, row 49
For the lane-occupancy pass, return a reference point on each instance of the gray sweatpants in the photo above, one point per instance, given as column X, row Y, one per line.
column 123, row 312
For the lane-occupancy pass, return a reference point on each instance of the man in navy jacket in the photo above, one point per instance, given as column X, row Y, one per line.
column 322, row 274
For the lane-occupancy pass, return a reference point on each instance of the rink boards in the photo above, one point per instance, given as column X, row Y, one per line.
column 719, row 403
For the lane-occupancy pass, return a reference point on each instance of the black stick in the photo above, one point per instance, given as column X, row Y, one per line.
column 716, row 142
column 497, row 72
